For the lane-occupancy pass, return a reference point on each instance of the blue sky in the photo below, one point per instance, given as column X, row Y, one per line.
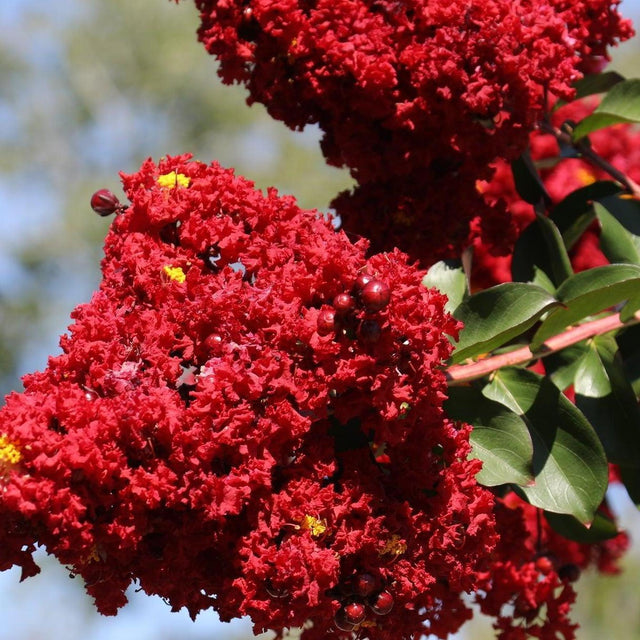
column 51, row 605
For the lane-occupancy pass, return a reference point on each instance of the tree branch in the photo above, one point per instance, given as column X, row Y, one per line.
column 460, row 374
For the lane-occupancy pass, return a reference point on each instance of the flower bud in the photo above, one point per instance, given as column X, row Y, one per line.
column 104, row 202
column 375, row 295
column 355, row 612
column 326, row 321
column 382, row 603
column 343, row 303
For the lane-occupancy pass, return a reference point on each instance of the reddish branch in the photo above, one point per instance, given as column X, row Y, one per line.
column 462, row 373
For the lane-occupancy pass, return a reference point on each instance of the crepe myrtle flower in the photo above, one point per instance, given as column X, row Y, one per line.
column 200, row 435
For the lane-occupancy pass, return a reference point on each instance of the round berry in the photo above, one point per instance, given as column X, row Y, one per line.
column 326, row 321
column 361, row 281
column 569, row 572
column 375, row 295
column 544, row 564
column 340, row 620
column 364, row 584
column 370, row 331
column 355, row 612
column 343, row 303
column 382, row 603
column 104, row 203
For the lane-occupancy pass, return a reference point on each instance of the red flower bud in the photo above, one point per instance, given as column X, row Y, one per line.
column 382, row 603
column 360, row 283
column 355, row 613
column 344, row 303
column 326, row 321
column 340, row 620
column 375, row 295
column 104, row 203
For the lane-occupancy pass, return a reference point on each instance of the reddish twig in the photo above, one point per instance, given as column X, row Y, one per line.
column 460, row 374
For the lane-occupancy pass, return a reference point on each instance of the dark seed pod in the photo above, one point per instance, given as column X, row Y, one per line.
column 569, row 572
column 364, row 584
column 375, row 295
column 104, row 203
column 370, row 331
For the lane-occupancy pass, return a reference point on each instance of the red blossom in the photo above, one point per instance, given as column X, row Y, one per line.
column 411, row 94
column 618, row 145
column 201, row 436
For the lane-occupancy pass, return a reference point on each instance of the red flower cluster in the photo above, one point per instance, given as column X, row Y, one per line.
column 410, row 94
column 248, row 416
column 618, row 145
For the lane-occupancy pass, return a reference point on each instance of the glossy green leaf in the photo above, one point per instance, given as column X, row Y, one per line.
column 620, row 104
column 597, row 83
column 447, row 276
column 569, row 464
column 494, row 316
column 500, row 437
column 588, row 293
column 620, row 229
column 574, row 214
column 602, row 528
column 606, row 398
column 593, row 84
column 527, row 180
column 562, row 366
column 541, row 246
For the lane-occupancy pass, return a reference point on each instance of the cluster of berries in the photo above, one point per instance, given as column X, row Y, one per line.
column 369, row 294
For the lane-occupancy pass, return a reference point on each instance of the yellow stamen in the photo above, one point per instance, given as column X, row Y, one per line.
column 173, row 179
column 9, row 453
column 394, row 547
column 175, row 273
column 585, row 176
column 314, row 526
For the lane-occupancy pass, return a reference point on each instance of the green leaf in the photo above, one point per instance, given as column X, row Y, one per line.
column 602, row 528
column 527, row 180
column 588, row 293
column 592, row 84
column 569, row 464
column 620, row 229
column 447, row 276
column 597, row 83
column 494, row 316
column 500, row 437
column 606, row 398
column 629, row 342
column 575, row 213
column 621, row 104
column 561, row 367
column 630, row 477
column 540, row 245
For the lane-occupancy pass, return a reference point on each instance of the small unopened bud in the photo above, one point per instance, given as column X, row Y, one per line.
column 375, row 295
column 326, row 321
column 382, row 603
column 104, row 203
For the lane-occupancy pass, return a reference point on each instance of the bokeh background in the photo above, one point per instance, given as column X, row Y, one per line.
column 89, row 88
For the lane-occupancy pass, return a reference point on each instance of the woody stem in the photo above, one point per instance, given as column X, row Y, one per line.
column 460, row 374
